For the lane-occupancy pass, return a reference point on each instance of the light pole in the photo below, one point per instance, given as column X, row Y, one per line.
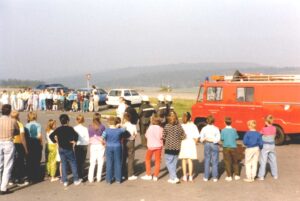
column 88, row 78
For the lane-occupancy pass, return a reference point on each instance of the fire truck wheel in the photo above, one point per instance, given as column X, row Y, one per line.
column 280, row 136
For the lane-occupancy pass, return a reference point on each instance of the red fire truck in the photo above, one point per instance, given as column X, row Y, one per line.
column 245, row 97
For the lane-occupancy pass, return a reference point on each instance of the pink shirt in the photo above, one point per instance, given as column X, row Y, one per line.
column 154, row 137
column 268, row 130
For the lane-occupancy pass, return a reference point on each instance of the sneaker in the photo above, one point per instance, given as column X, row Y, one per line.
column 155, row 178
column 65, row 184
column 228, row 178
column 10, row 183
column 276, row 177
column 236, row 177
column 248, row 180
column 76, row 183
column 176, row 180
column 23, row 184
column 146, row 177
column 133, row 177
column 173, row 181
column 215, row 180
column 53, row 179
column 184, row 178
column 191, row 179
column 205, row 179
column 260, row 178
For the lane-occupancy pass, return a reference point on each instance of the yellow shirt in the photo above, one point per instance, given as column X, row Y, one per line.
column 17, row 138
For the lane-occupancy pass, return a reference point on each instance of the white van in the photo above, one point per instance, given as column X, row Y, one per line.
column 114, row 95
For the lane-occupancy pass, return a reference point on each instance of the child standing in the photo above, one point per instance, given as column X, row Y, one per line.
column 112, row 136
column 210, row 135
column 52, row 148
column 173, row 134
column 268, row 153
column 154, row 144
column 229, row 137
column 188, row 151
column 253, row 141
column 129, row 150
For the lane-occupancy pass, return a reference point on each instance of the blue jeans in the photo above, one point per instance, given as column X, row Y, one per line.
column 43, row 104
column 171, row 163
column 113, row 163
column 7, row 150
column 85, row 107
column 68, row 156
column 211, row 157
column 268, row 154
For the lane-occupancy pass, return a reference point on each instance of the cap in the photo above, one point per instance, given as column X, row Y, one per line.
column 168, row 98
column 160, row 97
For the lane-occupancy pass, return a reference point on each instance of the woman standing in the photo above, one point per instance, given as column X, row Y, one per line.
column 35, row 146
column 52, row 149
column 81, row 145
column 97, row 148
column 173, row 134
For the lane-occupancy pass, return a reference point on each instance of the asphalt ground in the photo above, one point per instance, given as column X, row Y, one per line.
column 287, row 187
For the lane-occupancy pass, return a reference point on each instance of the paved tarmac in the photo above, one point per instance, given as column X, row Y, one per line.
column 287, row 187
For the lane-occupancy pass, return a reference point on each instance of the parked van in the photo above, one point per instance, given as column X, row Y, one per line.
column 251, row 96
column 113, row 97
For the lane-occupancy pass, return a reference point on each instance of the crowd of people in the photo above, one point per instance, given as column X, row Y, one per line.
column 51, row 100
column 160, row 130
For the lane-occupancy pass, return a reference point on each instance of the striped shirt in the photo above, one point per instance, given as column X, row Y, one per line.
column 8, row 128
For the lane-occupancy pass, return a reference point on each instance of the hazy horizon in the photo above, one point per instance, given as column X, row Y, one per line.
column 41, row 39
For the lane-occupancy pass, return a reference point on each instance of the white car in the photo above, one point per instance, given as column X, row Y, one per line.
column 114, row 95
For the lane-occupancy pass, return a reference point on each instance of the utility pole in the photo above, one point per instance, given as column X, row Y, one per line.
column 88, row 78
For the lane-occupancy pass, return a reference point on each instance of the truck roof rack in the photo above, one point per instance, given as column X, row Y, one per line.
column 256, row 77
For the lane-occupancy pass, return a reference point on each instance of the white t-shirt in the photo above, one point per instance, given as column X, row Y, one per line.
column 191, row 130
column 83, row 134
column 210, row 133
column 131, row 129
column 121, row 110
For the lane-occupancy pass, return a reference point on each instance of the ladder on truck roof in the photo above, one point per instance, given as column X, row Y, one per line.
column 256, row 77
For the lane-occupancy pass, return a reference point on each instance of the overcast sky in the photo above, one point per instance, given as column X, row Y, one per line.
column 44, row 38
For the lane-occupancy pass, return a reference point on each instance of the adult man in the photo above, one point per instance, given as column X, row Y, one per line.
column 8, row 128
column 66, row 137
column 161, row 109
column 145, row 112
column 121, row 108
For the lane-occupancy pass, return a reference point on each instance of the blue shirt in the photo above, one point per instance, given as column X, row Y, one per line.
column 113, row 136
column 33, row 129
column 229, row 136
column 253, row 139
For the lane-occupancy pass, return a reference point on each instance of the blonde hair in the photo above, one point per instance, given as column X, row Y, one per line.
column 32, row 116
column 251, row 124
column 269, row 119
column 50, row 125
column 15, row 115
column 80, row 119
